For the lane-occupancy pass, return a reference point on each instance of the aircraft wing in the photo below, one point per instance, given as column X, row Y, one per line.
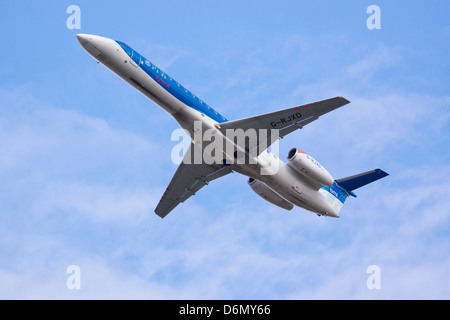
column 188, row 179
column 286, row 121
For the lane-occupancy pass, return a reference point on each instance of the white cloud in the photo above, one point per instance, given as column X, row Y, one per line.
column 365, row 68
column 240, row 250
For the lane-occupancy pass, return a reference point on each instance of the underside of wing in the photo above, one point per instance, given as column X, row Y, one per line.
column 188, row 179
column 283, row 122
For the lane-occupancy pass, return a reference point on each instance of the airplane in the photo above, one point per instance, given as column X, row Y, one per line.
column 239, row 145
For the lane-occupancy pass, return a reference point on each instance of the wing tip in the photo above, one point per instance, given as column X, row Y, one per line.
column 345, row 100
column 381, row 173
column 160, row 214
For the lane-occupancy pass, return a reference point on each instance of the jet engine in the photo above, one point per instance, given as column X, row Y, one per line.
column 309, row 167
column 262, row 190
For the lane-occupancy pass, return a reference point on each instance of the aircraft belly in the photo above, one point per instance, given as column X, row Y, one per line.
column 152, row 90
column 119, row 62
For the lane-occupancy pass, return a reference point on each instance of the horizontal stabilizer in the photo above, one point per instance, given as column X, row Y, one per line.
column 360, row 180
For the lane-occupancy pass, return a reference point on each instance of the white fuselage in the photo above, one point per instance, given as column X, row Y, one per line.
column 285, row 181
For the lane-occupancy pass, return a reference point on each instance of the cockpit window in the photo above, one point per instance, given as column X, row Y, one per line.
column 126, row 48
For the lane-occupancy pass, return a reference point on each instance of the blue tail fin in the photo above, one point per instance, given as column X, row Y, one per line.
column 342, row 188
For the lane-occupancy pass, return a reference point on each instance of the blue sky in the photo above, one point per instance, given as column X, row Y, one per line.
column 85, row 157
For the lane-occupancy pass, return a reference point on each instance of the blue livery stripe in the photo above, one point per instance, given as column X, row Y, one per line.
column 171, row 86
column 337, row 192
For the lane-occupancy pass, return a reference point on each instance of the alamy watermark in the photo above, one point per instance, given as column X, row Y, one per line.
column 226, row 147
column 73, row 281
column 374, row 20
column 74, row 20
column 374, row 280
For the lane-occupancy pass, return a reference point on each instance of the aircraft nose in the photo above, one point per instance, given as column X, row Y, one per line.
column 89, row 44
column 82, row 38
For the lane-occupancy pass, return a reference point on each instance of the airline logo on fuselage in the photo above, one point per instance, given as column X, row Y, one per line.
column 285, row 120
column 162, row 82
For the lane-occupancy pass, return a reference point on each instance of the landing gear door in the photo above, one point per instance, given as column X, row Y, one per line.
column 297, row 189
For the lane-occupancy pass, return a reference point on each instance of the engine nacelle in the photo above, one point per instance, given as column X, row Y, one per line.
column 262, row 190
column 309, row 167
